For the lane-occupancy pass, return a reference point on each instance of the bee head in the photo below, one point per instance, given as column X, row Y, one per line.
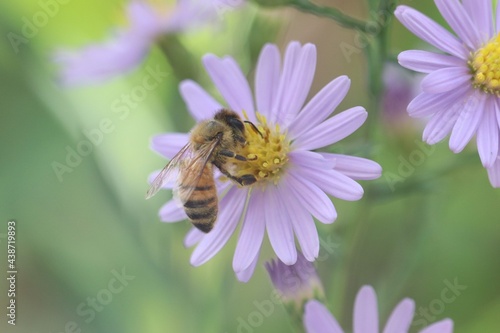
column 232, row 119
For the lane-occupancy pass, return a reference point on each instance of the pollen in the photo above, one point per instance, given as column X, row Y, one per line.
column 485, row 67
column 266, row 151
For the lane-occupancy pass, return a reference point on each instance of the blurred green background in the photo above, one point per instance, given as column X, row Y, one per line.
column 75, row 234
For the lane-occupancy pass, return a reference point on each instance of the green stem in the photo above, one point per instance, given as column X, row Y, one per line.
column 331, row 13
column 183, row 64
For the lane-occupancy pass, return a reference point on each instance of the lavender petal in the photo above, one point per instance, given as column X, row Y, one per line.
column 365, row 311
column 431, row 32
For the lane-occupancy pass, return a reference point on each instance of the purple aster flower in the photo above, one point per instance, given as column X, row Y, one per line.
column 293, row 181
column 295, row 283
column 317, row 318
column 399, row 89
column 129, row 45
column 462, row 87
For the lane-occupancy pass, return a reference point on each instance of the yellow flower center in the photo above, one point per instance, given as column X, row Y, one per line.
column 266, row 152
column 485, row 67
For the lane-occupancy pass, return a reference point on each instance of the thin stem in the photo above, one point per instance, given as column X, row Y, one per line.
column 331, row 13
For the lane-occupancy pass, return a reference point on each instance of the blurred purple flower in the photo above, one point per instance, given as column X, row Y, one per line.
column 317, row 318
column 129, row 46
column 399, row 89
column 293, row 181
column 296, row 283
column 461, row 91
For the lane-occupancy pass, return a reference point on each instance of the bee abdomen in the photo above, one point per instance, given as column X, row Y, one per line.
column 199, row 203
column 202, row 217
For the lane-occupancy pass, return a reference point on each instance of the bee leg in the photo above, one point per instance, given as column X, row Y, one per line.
column 244, row 180
column 232, row 154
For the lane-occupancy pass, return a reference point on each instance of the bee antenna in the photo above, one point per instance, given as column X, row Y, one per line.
column 254, row 127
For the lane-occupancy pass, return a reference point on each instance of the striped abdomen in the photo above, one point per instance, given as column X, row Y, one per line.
column 201, row 205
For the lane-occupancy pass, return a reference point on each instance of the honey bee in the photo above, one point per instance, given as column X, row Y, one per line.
column 213, row 142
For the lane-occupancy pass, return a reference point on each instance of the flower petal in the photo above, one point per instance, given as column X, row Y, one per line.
column 401, row 317
column 246, row 274
column 431, row 32
column 169, row 144
column 231, row 208
column 317, row 319
column 312, row 198
column 440, row 126
column 467, row 123
column 443, row 326
column 480, row 12
column 292, row 54
column 497, row 20
column 98, row 62
column 297, row 89
column 320, row 106
column 200, row 104
column 311, row 159
column 279, row 228
column 365, row 311
column 427, row 62
column 446, row 79
column 302, row 222
column 193, row 237
column 494, row 173
column 267, row 78
column 333, row 183
column 332, row 130
column 232, row 84
column 487, row 134
column 456, row 16
column 426, row 104
column 355, row 167
column 172, row 212
column 252, row 233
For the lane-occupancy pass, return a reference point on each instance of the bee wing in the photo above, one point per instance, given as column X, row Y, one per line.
column 192, row 169
column 188, row 162
column 170, row 172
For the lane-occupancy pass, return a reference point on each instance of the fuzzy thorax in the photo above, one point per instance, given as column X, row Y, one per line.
column 266, row 152
column 485, row 67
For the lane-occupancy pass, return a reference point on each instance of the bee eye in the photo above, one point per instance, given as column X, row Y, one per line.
column 235, row 122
